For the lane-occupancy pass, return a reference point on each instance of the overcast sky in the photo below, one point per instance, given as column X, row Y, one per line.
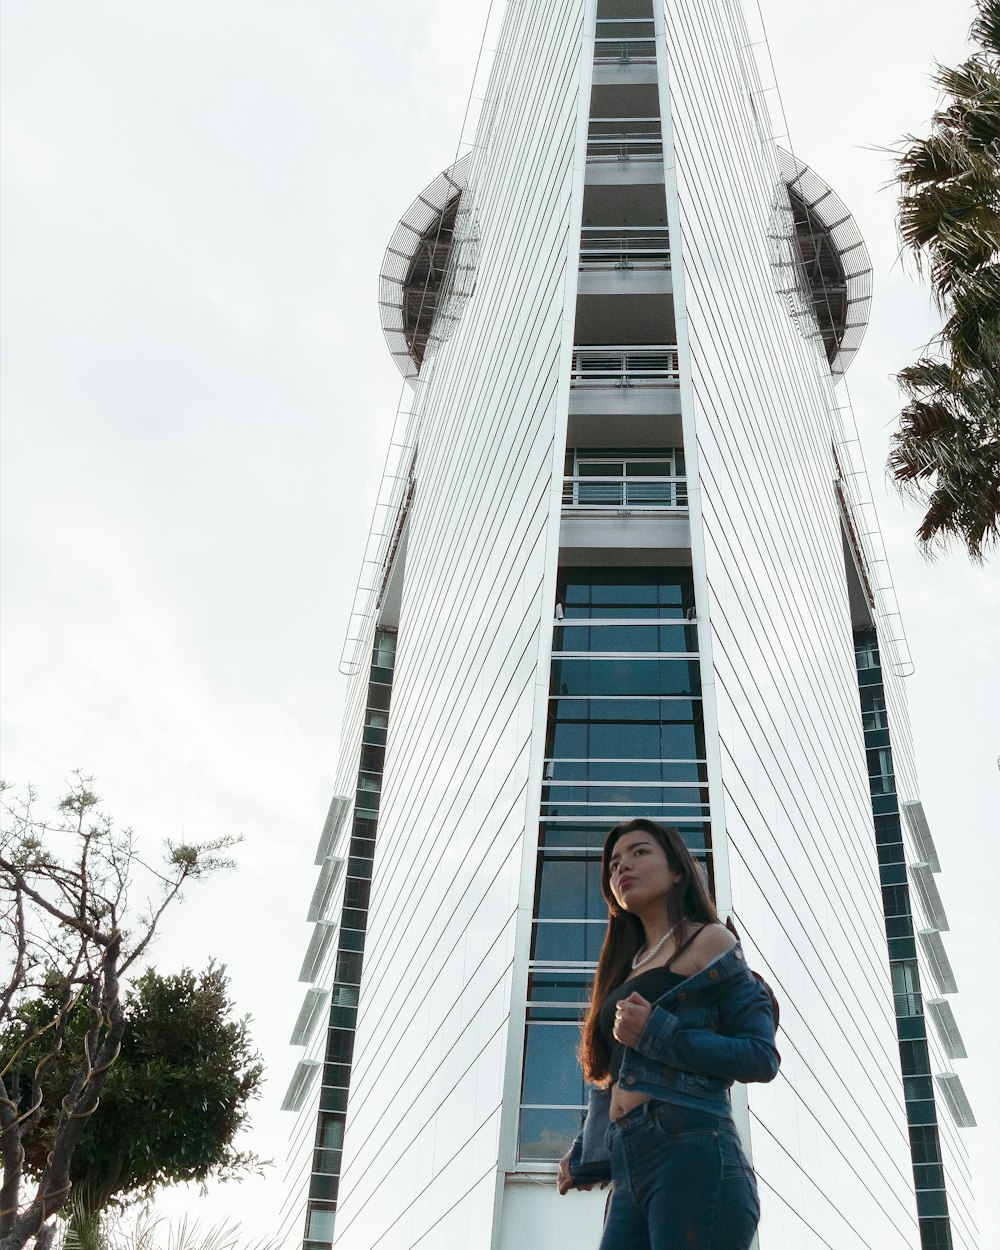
column 196, row 403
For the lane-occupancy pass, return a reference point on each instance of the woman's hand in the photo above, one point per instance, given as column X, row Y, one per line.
column 564, row 1182
column 631, row 1015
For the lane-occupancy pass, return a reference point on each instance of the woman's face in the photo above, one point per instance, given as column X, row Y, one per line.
column 639, row 871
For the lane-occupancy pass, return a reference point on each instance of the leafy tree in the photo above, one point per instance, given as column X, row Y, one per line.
column 947, row 448
column 70, row 929
column 172, row 1104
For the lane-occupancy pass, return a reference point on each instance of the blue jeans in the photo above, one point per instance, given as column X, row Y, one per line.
column 680, row 1182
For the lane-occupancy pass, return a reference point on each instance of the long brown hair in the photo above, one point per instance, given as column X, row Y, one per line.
column 688, row 901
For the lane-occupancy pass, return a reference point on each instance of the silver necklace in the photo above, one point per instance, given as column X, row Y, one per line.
column 637, row 962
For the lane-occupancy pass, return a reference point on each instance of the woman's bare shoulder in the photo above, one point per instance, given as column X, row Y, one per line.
column 712, row 940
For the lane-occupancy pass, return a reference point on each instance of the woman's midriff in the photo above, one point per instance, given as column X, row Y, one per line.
column 623, row 1101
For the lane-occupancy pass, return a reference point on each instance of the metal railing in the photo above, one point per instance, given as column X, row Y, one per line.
column 624, row 492
column 624, row 40
column 625, row 247
column 624, row 139
column 647, row 365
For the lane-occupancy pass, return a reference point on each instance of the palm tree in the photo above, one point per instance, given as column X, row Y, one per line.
column 947, row 448
column 947, row 451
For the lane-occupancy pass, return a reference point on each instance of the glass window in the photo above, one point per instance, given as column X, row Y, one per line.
column 345, row 995
column 625, row 738
column 896, row 900
column 567, row 941
column 880, row 771
column 552, row 1075
column 340, row 1045
column 626, row 592
column 338, row 1074
column 553, row 1091
column 329, row 1144
column 914, row 1058
column 348, row 967
column 887, row 829
column 558, row 994
column 356, row 892
column 613, row 728
column 866, row 649
column 933, row 1202
column 639, row 676
column 873, row 717
column 546, row 1134
column 693, row 772
column 906, row 988
column 384, row 651
column 935, row 1234
column 928, row 1175
column 569, row 885
column 918, row 1087
column 671, row 639
column 319, row 1226
column 924, row 1145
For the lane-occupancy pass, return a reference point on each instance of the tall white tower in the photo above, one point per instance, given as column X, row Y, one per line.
column 621, row 567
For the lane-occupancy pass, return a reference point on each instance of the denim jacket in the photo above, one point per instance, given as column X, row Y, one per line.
column 710, row 1030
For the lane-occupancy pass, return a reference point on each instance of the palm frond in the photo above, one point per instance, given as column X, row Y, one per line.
column 971, row 83
column 972, row 330
column 946, row 454
column 986, row 27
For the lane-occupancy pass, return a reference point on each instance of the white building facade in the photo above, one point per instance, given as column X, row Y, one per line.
column 624, row 569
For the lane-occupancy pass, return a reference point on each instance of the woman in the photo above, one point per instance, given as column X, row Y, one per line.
column 675, row 1018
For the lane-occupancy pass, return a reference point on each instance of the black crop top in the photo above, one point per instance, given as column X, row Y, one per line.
column 651, row 985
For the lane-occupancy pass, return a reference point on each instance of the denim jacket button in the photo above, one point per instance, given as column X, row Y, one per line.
column 630, row 1080
column 714, row 974
column 738, row 954
column 681, row 997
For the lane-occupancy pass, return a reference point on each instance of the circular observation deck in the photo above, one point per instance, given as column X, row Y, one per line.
column 412, row 284
column 836, row 271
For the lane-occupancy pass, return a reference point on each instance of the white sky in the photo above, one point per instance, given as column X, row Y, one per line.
column 196, row 403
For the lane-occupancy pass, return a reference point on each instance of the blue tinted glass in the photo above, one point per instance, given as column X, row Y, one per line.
column 569, row 887
column 626, row 592
column 551, row 1073
column 626, row 768
column 573, row 833
column 625, row 677
column 558, row 996
column 555, row 942
column 639, row 638
column 615, row 813
column 569, row 739
column 547, row 1135
column 621, row 792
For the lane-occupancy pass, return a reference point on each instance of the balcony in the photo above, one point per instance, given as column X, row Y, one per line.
column 624, row 41
column 624, row 247
column 616, row 139
column 615, row 366
column 625, row 493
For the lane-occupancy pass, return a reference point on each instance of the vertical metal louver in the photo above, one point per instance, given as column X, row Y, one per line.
column 947, row 1029
column 318, row 948
column 920, row 831
column 300, row 1084
column 329, row 875
column 340, row 805
column 310, row 1011
column 930, row 898
column 955, row 1097
column 937, row 957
